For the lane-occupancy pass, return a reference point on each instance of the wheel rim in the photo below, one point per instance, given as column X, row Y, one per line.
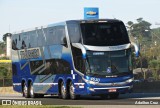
column 25, row 90
column 31, row 90
column 63, row 90
column 71, row 91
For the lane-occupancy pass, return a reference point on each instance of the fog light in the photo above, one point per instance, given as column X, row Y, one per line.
column 91, row 89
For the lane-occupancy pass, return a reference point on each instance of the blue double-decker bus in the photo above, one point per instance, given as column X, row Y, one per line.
column 73, row 58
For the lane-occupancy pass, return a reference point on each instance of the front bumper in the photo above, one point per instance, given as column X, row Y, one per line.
column 109, row 90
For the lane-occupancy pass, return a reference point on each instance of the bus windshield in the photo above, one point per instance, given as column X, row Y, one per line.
column 104, row 34
column 109, row 63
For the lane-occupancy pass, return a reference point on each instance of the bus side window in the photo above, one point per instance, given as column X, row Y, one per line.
column 62, row 67
column 74, row 33
column 60, row 34
column 50, row 36
column 79, row 62
column 32, row 37
column 24, row 42
column 14, row 42
column 41, row 38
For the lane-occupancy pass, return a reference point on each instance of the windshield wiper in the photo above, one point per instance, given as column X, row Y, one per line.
column 94, row 74
column 121, row 73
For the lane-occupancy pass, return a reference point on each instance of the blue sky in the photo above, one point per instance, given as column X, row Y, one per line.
column 23, row 14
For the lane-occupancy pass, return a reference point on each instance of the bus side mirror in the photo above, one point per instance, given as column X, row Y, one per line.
column 136, row 49
column 64, row 41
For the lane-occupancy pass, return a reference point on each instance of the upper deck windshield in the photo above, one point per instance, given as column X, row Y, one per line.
column 104, row 33
column 109, row 63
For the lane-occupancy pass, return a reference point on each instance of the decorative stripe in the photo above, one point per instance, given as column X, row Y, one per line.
column 22, row 67
column 73, row 75
column 110, row 88
column 37, row 69
column 71, row 71
column 107, row 48
column 45, row 77
column 17, row 84
column 79, row 83
column 45, row 83
column 43, row 69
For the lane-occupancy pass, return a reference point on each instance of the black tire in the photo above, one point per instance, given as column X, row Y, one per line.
column 22, row 89
column 72, row 94
column 114, row 96
column 31, row 91
column 63, row 90
column 25, row 91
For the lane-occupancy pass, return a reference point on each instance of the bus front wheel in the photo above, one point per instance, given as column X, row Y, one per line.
column 71, row 91
column 31, row 90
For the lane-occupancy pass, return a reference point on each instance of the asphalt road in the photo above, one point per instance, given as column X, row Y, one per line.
column 125, row 99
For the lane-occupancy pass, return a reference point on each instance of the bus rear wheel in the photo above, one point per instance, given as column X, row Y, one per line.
column 25, row 91
column 64, row 94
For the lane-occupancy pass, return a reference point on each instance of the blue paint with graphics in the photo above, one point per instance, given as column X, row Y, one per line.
column 48, row 84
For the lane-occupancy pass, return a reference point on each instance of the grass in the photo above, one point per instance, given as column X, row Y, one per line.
column 43, row 106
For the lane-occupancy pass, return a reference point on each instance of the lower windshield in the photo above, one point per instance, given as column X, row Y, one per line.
column 109, row 63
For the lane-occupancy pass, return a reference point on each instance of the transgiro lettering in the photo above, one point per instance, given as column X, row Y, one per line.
column 27, row 54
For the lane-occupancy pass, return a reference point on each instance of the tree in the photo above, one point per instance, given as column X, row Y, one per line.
column 2, row 47
column 155, row 67
column 140, row 30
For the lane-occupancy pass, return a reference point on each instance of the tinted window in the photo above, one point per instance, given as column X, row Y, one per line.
column 55, row 35
column 41, row 38
column 104, row 34
column 74, row 34
column 52, row 66
column 60, row 34
column 79, row 63
column 14, row 42
column 50, row 35
column 62, row 67
column 24, row 40
column 32, row 39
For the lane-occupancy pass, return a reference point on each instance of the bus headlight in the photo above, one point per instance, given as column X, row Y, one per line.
column 129, row 80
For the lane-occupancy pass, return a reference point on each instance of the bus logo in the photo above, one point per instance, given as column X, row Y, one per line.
column 91, row 13
column 29, row 53
column 95, row 79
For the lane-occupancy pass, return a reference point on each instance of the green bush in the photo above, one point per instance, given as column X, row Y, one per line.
column 155, row 67
column 5, row 70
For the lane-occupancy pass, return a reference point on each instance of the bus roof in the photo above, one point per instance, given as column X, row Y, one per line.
column 63, row 23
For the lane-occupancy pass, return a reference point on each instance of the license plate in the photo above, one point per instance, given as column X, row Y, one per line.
column 112, row 90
